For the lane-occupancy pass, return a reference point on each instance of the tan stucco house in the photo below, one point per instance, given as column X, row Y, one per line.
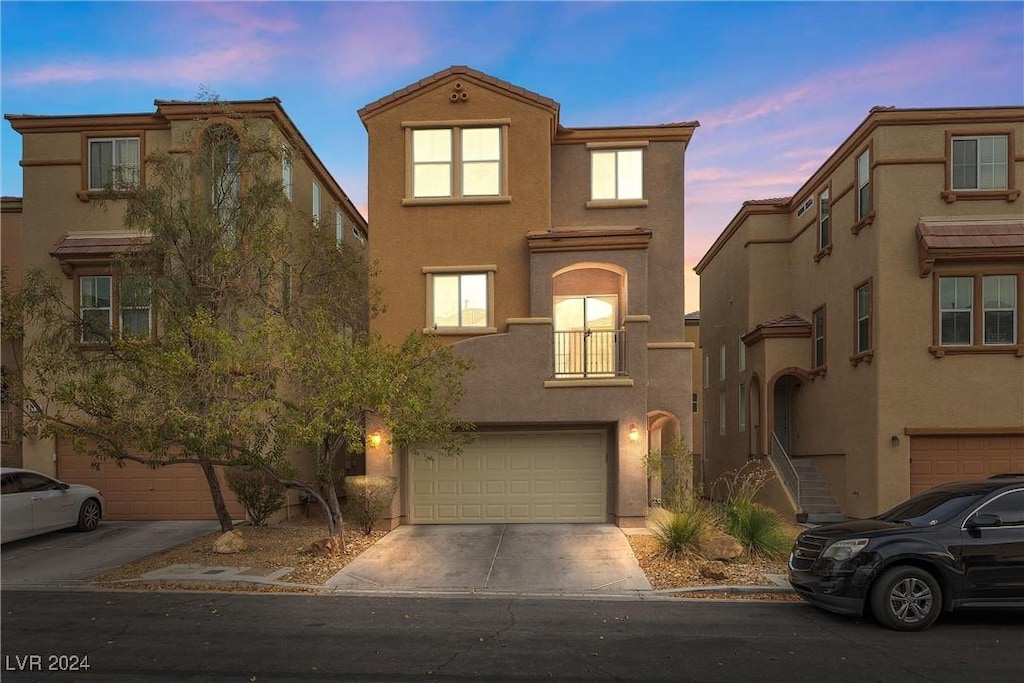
column 67, row 161
column 551, row 258
column 866, row 332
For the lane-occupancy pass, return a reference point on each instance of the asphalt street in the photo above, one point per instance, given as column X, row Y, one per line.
column 133, row 636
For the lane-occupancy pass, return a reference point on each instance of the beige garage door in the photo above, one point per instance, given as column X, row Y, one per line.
column 938, row 459
column 138, row 492
column 513, row 477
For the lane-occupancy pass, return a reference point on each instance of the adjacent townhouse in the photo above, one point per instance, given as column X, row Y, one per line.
column 67, row 162
column 10, row 259
column 551, row 258
column 866, row 332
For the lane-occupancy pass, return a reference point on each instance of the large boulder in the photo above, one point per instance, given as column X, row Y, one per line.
column 229, row 542
column 720, row 546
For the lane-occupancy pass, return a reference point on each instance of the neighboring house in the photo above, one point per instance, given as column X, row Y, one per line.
column 10, row 257
column 552, row 259
column 696, row 443
column 67, row 160
column 868, row 329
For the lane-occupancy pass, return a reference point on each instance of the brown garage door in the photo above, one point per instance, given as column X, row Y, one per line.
column 138, row 492
column 937, row 459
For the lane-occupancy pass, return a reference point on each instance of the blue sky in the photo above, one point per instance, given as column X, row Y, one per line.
column 775, row 86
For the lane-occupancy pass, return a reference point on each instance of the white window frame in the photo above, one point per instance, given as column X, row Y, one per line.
column 446, row 271
column 721, row 362
column 121, row 309
column 358, row 234
column 985, row 309
column 286, row 172
column 721, row 412
column 863, row 315
column 1000, row 169
column 116, row 163
column 316, row 204
column 339, row 227
column 695, row 402
column 741, row 354
column 741, row 408
column 958, row 309
column 616, row 154
column 82, row 308
column 456, row 163
column 819, row 360
column 864, row 184
column 824, row 219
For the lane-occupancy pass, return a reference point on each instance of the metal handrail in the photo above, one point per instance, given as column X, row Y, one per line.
column 589, row 353
column 785, row 466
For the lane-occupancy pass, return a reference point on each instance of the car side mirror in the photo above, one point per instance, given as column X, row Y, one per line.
column 63, row 486
column 984, row 519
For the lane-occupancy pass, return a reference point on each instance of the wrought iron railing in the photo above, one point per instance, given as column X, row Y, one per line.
column 784, row 465
column 590, row 353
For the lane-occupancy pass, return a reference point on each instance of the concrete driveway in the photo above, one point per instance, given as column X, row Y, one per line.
column 67, row 558
column 519, row 558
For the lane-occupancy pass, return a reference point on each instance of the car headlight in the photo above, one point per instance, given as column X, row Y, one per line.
column 844, row 550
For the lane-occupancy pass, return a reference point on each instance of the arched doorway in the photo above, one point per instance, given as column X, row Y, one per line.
column 783, row 410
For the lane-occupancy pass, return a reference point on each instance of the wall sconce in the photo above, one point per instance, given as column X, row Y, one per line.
column 895, row 440
column 374, row 439
column 634, row 433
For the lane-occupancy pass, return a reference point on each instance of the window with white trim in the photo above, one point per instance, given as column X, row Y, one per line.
column 864, row 184
column 741, row 354
column 999, row 302
column 459, row 300
column 457, row 162
column 109, row 305
column 721, row 412
column 863, row 313
column 113, row 163
column 824, row 216
column 286, row 171
column 616, row 174
column 979, row 162
column 956, row 311
column 818, row 330
column 721, row 363
column 339, row 227
column 695, row 403
column 316, row 205
column 741, row 408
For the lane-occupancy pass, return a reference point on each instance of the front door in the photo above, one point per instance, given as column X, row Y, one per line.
column 585, row 336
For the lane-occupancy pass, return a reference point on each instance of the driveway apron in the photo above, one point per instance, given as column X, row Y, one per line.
column 518, row 558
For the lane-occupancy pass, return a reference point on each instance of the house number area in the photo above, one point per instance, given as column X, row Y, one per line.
column 32, row 662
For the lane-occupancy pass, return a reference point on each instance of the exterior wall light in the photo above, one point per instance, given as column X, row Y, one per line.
column 374, row 439
column 634, row 433
column 895, row 440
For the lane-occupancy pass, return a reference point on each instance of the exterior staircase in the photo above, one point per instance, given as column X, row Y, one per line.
column 815, row 496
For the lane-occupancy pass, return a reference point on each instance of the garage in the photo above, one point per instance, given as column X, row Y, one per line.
column 939, row 458
column 138, row 492
column 514, row 477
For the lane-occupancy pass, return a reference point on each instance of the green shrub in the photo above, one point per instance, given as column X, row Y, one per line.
column 681, row 531
column 259, row 493
column 368, row 499
column 758, row 528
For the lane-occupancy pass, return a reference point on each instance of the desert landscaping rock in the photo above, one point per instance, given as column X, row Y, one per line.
column 229, row 542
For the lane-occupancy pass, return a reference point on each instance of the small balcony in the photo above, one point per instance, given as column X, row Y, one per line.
column 585, row 354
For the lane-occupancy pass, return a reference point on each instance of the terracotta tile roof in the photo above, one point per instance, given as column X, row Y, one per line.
column 773, row 201
column 973, row 235
column 458, row 70
column 81, row 245
column 788, row 320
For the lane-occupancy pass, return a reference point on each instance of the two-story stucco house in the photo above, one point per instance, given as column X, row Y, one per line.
column 70, row 160
column 552, row 259
column 867, row 330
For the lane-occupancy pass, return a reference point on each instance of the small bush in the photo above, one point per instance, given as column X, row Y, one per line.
column 368, row 499
column 758, row 528
column 682, row 531
column 259, row 493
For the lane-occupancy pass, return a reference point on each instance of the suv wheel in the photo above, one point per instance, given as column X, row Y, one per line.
column 906, row 599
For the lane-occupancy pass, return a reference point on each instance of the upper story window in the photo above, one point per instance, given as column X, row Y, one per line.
column 459, row 162
column 818, row 329
column 721, row 363
column 707, row 370
column 224, row 171
column 460, row 300
column 616, row 174
column 286, row 171
column 741, row 354
column 979, row 163
column 113, row 163
column 316, row 205
column 358, row 234
column 864, row 185
column 109, row 306
column 824, row 220
column 339, row 226
column 862, row 342
column 979, row 313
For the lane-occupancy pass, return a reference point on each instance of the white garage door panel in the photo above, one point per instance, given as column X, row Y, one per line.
column 515, row 477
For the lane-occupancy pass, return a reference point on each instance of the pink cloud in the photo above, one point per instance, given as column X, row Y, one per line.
column 244, row 62
column 374, row 39
column 249, row 18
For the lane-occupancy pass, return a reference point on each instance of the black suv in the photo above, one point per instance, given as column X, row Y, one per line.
column 957, row 545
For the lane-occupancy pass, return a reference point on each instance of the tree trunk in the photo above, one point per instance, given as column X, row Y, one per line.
column 218, row 497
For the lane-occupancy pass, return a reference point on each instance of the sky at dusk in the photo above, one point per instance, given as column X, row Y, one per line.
column 776, row 86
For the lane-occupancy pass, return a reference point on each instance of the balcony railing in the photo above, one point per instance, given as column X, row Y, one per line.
column 590, row 353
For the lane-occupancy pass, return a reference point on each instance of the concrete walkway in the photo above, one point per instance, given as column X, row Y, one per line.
column 519, row 558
